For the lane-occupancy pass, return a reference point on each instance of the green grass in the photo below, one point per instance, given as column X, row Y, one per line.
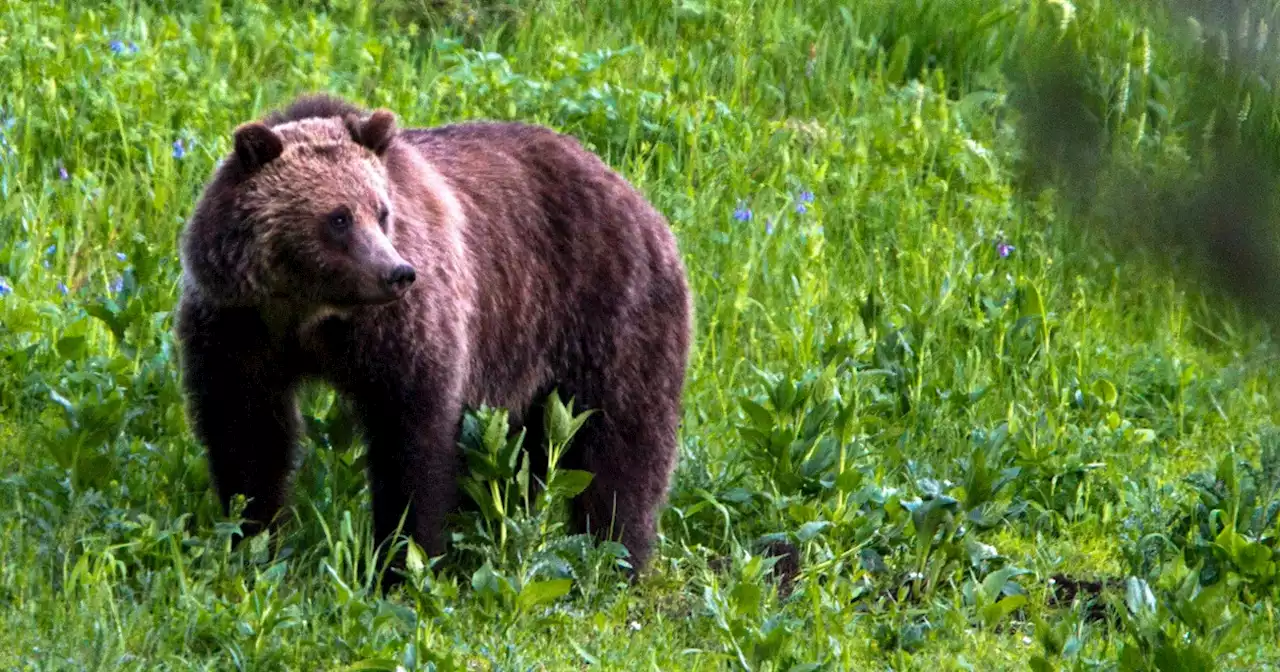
column 943, row 432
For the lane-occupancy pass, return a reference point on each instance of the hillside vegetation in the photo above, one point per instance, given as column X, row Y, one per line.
column 983, row 294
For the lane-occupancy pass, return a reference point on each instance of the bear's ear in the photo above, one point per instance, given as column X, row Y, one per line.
column 256, row 146
column 375, row 131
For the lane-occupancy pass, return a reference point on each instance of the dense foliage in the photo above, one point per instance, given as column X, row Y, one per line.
column 937, row 350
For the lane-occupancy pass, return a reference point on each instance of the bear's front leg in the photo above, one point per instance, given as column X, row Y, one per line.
column 241, row 406
column 410, row 423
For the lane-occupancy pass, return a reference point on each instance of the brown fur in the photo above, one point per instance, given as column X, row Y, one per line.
column 537, row 267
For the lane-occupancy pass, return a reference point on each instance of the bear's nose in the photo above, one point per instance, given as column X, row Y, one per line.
column 401, row 276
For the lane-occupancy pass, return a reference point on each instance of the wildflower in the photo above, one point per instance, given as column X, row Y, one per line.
column 62, row 287
column 1004, row 249
column 118, row 47
column 4, row 287
column 768, row 227
column 51, row 249
column 121, row 256
column 62, row 172
column 117, row 285
column 806, row 197
column 179, row 150
column 743, row 213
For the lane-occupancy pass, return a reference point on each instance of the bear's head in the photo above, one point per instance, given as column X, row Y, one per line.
column 300, row 216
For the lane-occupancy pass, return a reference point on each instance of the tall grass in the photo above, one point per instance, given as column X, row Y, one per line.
column 996, row 432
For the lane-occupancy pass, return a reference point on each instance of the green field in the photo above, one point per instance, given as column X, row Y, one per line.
column 983, row 289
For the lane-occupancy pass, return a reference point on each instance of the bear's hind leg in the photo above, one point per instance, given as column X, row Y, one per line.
column 631, row 464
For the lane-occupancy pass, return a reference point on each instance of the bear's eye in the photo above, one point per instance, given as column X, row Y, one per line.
column 383, row 215
column 340, row 221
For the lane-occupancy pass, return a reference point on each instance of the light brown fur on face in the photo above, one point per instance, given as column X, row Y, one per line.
column 532, row 267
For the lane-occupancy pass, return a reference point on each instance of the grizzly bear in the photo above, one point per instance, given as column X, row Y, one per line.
column 419, row 272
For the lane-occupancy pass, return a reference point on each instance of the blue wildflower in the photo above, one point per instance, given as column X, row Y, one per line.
column 768, row 227
column 179, row 150
column 121, row 256
column 1004, row 249
column 4, row 287
column 117, row 285
column 51, row 249
column 119, row 47
column 806, row 197
column 62, row 172
column 743, row 213
column 62, row 287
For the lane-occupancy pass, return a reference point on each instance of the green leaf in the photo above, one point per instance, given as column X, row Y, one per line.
column 848, row 480
column 760, row 416
column 746, row 599
column 415, row 560
column 108, row 317
column 486, row 581
column 812, row 529
column 994, row 582
column 898, row 60
column 1029, row 302
column 1105, row 391
column 1039, row 664
column 542, row 592
column 481, row 465
column 495, row 433
column 71, row 347
column 994, row 613
column 569, row 483
column 556, row 419
column 481, row 497
column 509, row 458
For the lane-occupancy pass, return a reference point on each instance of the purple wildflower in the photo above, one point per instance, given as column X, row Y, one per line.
column 4, row 287
column 62, row 172
column 62, row 287
column 743, row 213
column 179, row 150
column 1004, row 249
column 806, row 197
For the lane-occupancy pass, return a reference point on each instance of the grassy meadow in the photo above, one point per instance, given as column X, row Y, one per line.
column 983, row 291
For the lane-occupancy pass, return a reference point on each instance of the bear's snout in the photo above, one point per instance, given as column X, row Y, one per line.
column 401, row 277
